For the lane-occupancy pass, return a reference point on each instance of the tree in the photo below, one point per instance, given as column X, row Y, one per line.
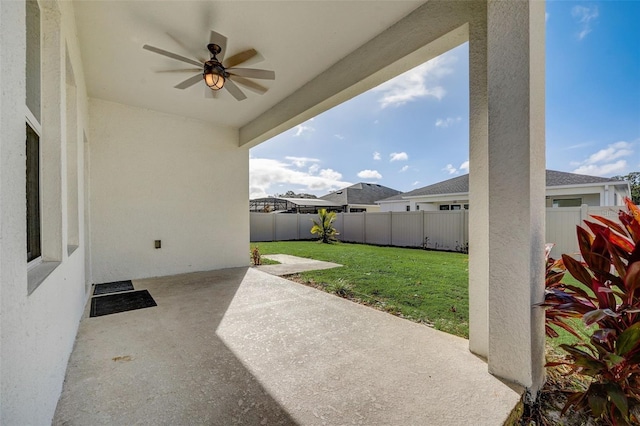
column 291, row 194
column 324, row 226
column 634, row 182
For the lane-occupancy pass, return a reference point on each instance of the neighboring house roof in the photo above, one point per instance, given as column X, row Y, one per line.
column 360, row 193
column 460, row 184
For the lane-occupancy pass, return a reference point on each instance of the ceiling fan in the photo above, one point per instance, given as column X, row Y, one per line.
column 218, row 72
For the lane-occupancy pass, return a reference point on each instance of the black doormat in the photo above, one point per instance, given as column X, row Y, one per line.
column 121, row 302
column 113, row 287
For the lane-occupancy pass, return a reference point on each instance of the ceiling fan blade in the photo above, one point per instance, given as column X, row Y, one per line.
column 253, row 86
column 234, row 90
column 220, row 40
column 189, row 82
column 171, row 55
column 252, row 73
column 186, row 48
column 239, row 58
column 182, row 70
column 210, row 94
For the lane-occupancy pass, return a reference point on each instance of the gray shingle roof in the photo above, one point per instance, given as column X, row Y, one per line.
column 360, row 193
column 460, row 184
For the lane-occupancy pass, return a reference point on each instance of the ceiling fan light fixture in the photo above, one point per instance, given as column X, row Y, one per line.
column 213, row 75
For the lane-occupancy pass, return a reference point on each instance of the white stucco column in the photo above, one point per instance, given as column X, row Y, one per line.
column 515, row 71
column 478, row 186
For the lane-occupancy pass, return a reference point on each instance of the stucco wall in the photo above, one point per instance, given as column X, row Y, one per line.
column 156, row 176
column 38, row 330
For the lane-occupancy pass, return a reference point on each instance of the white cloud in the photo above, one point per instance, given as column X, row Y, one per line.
column 314, row 169
column 584, row 16
column 420, row 82
column 446, row 122
column 613, row 151
column 303, row 128
column 415, row 183
column 601, row 163
column 369, row 174
column 301, row 161
column 398, row 156
column 464, row 166
column 339, row 136
column 265, row 173
column 579, row 145
column 330, row 175
column 376, row 155
column 404, row 169
column 449, row 168
column 619, row 167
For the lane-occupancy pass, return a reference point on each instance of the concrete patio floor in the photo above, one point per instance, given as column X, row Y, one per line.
column 240, row 346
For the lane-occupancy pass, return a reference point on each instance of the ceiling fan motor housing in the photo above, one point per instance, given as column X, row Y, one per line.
column 214, row 49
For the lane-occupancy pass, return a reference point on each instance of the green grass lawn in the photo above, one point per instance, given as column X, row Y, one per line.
column 420, row 285
column 424, row 286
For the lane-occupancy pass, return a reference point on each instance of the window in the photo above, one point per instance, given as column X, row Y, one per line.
column 444, row 207
column 466, row 206
column 33, row 111
column 33, row 59
column 408, row 208
column 33, row 194
column 417, row 207
column 567, row 202
column 455, row 206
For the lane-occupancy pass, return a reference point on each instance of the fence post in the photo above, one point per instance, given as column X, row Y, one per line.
column 584, row 213
column 422, row 213
column 364, row 227
column 273, row 227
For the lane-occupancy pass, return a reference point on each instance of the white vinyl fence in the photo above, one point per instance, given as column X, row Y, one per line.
column 439, row 230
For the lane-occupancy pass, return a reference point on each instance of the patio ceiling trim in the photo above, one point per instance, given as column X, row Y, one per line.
column 413, row 40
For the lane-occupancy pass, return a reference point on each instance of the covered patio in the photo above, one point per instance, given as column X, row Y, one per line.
column 239, row 346
column 125, row 177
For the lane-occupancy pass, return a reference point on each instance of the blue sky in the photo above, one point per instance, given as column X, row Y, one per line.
column 413, row 131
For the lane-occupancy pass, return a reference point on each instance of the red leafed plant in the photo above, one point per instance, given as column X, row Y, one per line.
column 608, row 300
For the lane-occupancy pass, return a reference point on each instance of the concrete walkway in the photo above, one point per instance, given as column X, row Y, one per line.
column 240, row 346
column 293, row 265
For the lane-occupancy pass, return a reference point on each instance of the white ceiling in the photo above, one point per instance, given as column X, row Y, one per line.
column 298, row 40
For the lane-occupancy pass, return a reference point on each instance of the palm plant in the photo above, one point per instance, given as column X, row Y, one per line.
column 324, row 226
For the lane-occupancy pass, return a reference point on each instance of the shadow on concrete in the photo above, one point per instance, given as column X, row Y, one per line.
column 165, row 365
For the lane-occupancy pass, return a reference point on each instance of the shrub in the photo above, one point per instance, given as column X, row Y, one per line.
column 609, row 300
column 256, row 257
column 341, row 288
column 324, row 226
